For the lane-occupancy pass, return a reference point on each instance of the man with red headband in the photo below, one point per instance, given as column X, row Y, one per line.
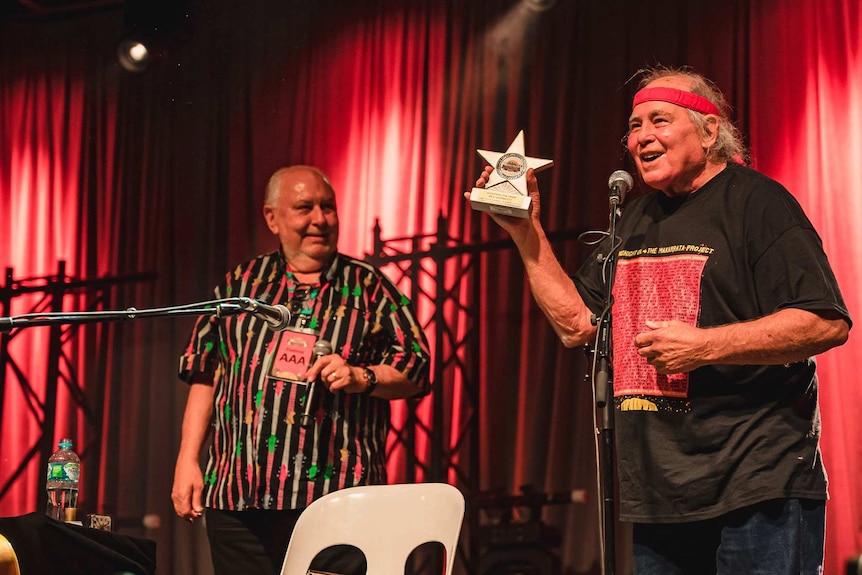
column 721, row 298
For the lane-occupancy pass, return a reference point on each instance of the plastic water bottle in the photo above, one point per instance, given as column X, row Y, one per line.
column 62, row 485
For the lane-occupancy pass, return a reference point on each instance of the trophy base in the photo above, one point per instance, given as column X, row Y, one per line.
column 508, row 202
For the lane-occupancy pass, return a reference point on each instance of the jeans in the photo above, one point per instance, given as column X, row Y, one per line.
column 776, row 537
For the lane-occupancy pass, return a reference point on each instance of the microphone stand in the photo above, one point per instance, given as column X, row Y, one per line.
column 603, row 381
column 219, row 308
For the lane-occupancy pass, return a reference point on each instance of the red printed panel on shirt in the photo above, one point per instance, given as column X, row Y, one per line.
column 655, row 288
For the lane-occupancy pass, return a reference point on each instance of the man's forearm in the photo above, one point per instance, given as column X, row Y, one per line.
column 787, row 336
column 392, row 384
column 555, row 292
column 196, row 420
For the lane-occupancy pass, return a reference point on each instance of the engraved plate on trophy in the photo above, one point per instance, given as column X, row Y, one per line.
column 506, row 190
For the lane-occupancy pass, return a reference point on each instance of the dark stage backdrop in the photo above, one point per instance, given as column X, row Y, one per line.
column 163, row 172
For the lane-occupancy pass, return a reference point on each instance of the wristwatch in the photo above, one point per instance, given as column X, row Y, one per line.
column 370, row 380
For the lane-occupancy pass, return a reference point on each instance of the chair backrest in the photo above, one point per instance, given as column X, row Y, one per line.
column 386, row 522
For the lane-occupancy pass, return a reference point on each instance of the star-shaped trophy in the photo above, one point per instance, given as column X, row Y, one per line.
column 506, row 190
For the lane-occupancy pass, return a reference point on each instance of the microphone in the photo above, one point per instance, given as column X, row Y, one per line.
column 321, row 348
column 277, row 316
column 620, row 183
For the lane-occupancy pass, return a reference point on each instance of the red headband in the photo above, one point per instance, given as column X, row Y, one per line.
column 679, row 97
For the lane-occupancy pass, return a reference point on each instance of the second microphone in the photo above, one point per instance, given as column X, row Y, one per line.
column 321, row 348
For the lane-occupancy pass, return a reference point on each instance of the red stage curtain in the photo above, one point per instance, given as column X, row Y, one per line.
column 806, row 131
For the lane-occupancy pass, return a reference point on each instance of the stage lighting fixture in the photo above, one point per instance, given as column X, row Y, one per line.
column 134, row 56
column 152, row 30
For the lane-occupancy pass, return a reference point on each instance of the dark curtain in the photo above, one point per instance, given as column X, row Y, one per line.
column 163, row 172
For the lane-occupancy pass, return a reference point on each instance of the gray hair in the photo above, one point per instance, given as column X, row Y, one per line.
column 273, row 186
column 728, row 146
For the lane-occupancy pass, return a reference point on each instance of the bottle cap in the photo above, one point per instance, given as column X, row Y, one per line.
column 66, row 443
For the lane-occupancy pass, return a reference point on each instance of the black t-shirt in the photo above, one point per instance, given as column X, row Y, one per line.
column 696, row 445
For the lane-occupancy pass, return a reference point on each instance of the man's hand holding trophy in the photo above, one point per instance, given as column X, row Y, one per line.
column 506, row 191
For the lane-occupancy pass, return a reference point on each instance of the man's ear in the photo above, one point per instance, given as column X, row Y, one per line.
column 712, row 127
column 269, row 216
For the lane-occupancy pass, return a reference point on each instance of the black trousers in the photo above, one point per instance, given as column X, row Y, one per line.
column 255, row 541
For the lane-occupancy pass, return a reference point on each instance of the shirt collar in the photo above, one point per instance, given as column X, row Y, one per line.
column 328, row 272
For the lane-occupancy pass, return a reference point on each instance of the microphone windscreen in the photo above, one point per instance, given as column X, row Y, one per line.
column 623, row 179
column 321, row 347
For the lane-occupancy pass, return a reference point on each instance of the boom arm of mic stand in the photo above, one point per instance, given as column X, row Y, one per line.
column 218, row 308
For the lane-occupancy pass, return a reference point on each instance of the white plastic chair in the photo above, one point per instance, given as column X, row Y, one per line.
column 386, row 522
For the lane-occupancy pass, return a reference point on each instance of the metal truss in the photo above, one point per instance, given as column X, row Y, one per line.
column 442, row 279
column 419, row 265
column 48, row 295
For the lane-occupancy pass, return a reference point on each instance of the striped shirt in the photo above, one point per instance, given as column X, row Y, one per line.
column 259, row 459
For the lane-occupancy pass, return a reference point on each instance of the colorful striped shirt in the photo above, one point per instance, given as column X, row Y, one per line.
column 259, row 458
